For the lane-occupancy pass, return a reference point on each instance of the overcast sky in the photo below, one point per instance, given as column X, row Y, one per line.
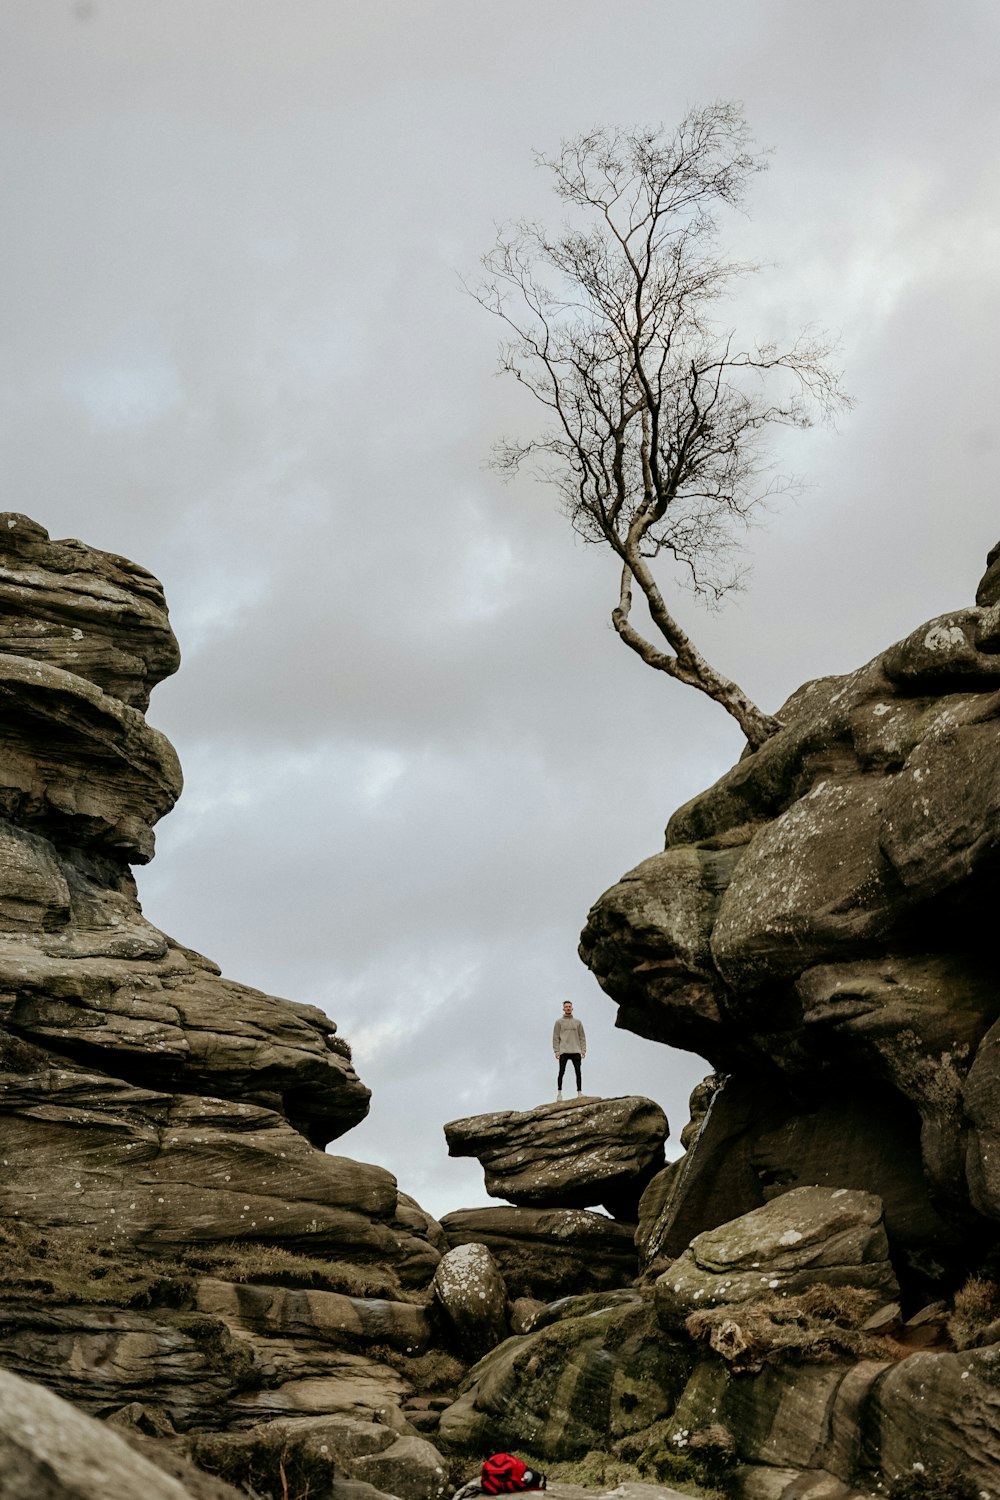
column 234, row 347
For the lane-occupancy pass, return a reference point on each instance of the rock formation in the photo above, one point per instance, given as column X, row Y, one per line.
column 550, row 1164
column 173, row 1242
column 819, row 928
column 574, row 1155
column 548, row 1253
column 249, row 1314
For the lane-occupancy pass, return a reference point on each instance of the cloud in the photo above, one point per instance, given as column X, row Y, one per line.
column 235, row 348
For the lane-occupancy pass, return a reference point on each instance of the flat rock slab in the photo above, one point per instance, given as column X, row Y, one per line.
column 571, row 1155
column 811, row 1235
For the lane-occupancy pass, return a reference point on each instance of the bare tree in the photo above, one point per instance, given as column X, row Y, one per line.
column 659, row 414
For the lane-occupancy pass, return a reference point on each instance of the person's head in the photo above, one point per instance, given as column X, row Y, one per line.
column 567, row 1007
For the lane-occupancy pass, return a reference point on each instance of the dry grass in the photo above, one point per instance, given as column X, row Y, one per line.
column 274, row 1266
column 976, row 1318
column 435, row 1373
column 932, row 1482
column 64, row 1266
column 54, row 1265
column 821, row 1324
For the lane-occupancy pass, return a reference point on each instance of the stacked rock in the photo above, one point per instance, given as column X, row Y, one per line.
column 172, row 1240
column 554, row 1165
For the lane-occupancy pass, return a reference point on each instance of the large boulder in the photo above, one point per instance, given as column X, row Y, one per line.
column 473, row 1299
column 810, row 1236
column 546, row 1253
column 573, row 1155
column 817, row 927
column 583, row 1381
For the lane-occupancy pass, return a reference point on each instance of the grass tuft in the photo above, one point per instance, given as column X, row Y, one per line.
column 976, row 1318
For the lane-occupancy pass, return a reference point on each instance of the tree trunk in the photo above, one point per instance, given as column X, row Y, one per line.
column 685, row 663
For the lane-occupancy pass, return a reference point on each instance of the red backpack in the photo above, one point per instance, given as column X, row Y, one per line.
column 504, row 1473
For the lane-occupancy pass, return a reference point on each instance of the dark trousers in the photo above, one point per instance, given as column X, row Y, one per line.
column 574, row 1058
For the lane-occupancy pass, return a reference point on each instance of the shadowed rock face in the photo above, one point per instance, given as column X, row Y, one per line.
column 545, row 1253
column 820, row 927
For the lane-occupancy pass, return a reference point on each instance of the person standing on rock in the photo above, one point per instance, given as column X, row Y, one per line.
column 569, row 1043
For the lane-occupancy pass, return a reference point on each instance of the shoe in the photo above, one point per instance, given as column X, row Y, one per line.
column 579, row 1093
column 559, row 1097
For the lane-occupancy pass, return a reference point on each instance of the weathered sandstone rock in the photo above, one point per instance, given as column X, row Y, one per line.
column 321, row 1456
column 648, row 942
column 804, row 1420
column 163, row 1017
column 472, row 1295
column 756, row 1143
column 149, row 1107
column 871, row 1423
column 939, row 1410
column 297, row 1313
column 576, row 1384
column 807, row 1236
column 546, row 1253
column 51, row 1451
column 818, row 923
column 571, row 1155
column 410, row 1468
column 101, row 1358
column 89, row 612
column 89, row 1152
column 79, row 766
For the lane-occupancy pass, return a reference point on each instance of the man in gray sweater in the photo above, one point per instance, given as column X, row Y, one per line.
column 569, row 1043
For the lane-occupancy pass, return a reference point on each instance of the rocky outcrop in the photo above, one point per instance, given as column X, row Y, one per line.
column 591, row 1377
column 547, row 1253
column 817, row 927
column 574, row 1155
column 178, row 1257
column 551, row 1163
column 811, row 1236
column 869, row 1422
column 173, row 1239
column 50, row 1451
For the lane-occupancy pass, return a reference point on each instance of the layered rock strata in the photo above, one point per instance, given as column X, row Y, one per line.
column 172, row 1238
column 552, row 1164
column 574, row 1155
column 546, row 1253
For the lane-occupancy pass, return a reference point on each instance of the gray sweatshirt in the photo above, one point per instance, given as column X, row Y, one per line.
column 568, row 1035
